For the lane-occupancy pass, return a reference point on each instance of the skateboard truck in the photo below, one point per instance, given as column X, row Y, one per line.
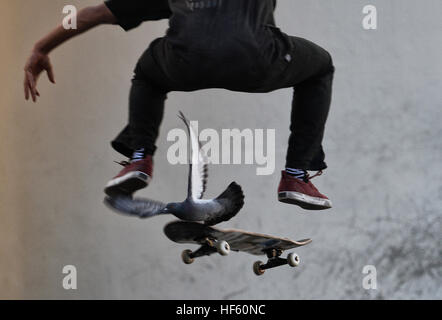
column 209, row 247
column 275, row 260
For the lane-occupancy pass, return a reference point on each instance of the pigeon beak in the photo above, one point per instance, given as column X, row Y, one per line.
column 165, row 210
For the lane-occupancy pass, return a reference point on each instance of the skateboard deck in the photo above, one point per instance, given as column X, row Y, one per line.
column 214, row 240
column 239, row 240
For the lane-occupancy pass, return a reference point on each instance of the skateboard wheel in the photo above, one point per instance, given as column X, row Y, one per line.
column 186, row 256
column 257, row 268
column 293, row 260
column 223, row 248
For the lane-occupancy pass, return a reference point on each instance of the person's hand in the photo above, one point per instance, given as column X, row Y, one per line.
column 36, row 64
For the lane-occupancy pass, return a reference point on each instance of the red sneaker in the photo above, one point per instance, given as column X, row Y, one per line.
column 133, row 177
column 302, row 193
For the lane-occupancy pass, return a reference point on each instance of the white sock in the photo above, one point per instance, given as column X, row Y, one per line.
column 297, row 173
column 138, row 155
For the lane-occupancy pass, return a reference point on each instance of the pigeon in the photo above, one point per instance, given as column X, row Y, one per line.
column 193, row 208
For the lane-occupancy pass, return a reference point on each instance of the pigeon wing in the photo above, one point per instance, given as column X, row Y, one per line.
column 197, row 164
column 142, row 208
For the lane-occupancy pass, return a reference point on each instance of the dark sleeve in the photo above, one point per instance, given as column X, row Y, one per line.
column 131, row 13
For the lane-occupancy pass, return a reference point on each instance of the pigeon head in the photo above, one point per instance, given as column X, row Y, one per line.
column 173, row 208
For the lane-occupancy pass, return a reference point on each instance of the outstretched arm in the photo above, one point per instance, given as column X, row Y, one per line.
column 39, row 61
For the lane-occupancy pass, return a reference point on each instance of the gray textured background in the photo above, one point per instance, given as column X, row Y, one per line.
column 383, row 144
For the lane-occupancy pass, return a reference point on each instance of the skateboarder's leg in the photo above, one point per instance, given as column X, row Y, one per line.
column 146, row 110
column 311, row 104
column 311, row 73
column 312, row 69
column 137, row 140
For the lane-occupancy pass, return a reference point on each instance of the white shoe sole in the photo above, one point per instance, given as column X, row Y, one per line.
column 304, row 201
column 127, row 184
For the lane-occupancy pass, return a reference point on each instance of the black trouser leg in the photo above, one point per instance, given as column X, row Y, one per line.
column 311, row 104
column 313, row 77
column 146, row 110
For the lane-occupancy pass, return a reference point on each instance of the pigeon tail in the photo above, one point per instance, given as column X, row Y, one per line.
column 233, row 200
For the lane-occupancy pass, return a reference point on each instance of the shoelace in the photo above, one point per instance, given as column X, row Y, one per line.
column 307, row 177
column 123, row 163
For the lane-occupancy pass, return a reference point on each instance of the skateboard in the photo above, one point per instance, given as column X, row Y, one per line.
column 213, row 240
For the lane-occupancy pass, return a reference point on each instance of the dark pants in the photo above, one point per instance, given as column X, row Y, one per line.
column 307, row 68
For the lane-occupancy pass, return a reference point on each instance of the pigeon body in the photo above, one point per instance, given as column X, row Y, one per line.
column 213, row 211
column 193, row 208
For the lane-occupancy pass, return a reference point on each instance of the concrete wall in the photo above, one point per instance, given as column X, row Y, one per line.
column 383, row 144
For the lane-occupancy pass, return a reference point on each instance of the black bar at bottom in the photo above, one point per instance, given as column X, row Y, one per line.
column 208, row 309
